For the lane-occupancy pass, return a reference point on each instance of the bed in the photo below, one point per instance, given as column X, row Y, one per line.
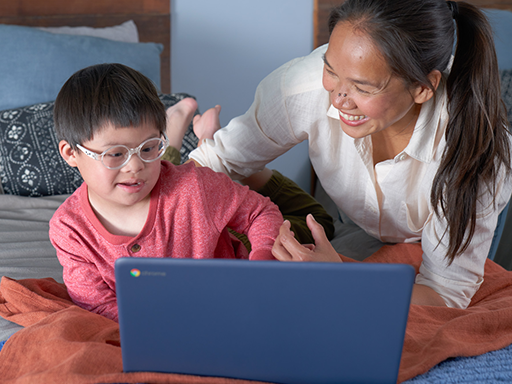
column 47, row 338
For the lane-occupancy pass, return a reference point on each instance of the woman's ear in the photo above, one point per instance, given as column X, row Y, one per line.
column 67, row 153
column 422, row 93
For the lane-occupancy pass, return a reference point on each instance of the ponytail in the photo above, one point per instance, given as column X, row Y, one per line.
column 477, row 140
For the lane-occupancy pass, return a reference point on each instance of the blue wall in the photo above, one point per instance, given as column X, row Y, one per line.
column 222, row 49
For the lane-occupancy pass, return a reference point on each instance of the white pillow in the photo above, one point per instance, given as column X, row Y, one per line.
column 126, row 32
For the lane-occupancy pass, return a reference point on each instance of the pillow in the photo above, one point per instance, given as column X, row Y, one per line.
column 501, row 21
column 35, row 64
column 30, row 162
column 506, row 91
column 126, row 31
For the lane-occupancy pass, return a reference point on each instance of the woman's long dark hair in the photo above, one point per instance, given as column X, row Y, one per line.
column 417, row 37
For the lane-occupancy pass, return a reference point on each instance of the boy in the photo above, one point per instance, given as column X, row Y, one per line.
column 111, row 125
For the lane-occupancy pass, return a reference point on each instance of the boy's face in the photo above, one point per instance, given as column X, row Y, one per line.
column 112, row 189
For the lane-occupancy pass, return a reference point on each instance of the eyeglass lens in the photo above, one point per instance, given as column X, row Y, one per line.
column 119, row 155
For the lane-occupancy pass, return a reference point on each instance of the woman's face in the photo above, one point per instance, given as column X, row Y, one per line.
column 375, row 99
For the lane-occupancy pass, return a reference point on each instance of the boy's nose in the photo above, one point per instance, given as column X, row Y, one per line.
column 134, row 164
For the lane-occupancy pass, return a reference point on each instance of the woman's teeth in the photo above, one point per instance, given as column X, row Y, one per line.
column 352, row 117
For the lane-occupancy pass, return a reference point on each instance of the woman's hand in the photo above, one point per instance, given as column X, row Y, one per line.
column 287, row 248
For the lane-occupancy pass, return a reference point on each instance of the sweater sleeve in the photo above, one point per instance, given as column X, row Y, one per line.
column 245, row 211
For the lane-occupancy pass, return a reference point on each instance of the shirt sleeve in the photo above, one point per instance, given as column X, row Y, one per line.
column 83, row 280
column 245, row 212
column 457, row 282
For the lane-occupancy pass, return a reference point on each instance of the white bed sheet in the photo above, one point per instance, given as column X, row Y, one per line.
column 25, row 248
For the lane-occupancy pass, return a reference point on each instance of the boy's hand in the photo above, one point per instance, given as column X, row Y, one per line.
column 287, row 248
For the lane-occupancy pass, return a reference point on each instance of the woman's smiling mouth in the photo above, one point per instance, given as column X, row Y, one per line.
column 352, row 117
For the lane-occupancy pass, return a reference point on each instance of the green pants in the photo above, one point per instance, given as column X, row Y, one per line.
column 293, row 202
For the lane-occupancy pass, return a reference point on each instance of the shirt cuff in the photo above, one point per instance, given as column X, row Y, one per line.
column 456, row 294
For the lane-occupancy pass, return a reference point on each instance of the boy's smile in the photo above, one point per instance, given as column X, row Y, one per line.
column 132, row 186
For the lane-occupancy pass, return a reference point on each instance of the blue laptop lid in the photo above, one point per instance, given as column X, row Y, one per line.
column 264, row 320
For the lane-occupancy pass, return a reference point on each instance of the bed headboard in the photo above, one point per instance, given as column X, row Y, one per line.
column 152, row 18
column 323, row 7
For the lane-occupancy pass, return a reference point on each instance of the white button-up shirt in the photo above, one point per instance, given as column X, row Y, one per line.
column 390, row 201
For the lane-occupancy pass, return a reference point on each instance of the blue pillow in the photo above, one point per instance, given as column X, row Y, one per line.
column 34, row 64
column 501, row 21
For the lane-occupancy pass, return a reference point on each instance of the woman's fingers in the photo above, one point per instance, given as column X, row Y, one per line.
column 279, row 250
column 317, row 231
column 287, row 248
column 324, row 251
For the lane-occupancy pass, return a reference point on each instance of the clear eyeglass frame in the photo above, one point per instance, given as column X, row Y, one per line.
column 117, row 152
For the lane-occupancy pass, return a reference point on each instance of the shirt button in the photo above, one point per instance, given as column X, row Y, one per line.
column 136, row 248
column 402, row 157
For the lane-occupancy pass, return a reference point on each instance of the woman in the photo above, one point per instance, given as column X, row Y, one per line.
column 423, row 153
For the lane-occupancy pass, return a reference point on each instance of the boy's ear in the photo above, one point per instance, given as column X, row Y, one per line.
column 67, row 153
column 423, row 93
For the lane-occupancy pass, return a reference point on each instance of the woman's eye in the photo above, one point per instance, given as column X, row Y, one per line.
column 326, row 69
column 361, row 90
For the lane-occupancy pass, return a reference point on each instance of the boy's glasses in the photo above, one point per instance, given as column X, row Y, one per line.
column 119, row 155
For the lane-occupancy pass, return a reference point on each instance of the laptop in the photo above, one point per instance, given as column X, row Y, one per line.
column 279, row 322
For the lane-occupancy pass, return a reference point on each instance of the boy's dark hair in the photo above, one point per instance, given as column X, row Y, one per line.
column 106, row 94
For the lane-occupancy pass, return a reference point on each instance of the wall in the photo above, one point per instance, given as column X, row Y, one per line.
column 222, row 49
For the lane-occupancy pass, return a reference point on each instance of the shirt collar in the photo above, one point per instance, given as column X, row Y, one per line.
column 430, row 127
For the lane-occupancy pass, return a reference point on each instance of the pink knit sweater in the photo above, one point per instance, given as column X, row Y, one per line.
column 189, row 212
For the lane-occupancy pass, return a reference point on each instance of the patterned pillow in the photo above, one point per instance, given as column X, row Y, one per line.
column 30, row 163
column 506, row 91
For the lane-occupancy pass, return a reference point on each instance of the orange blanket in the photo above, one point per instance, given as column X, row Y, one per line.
column 63, row 343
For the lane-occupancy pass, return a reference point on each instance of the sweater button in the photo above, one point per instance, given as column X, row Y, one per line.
column 136, row 248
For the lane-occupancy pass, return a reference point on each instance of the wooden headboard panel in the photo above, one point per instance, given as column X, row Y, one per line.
column 323, row 7
column 152, row 18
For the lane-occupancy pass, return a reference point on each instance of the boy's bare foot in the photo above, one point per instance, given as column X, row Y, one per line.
column 179, row 117
column 207, row 124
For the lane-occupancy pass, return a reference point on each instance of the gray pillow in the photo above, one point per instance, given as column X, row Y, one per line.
column 30, row 162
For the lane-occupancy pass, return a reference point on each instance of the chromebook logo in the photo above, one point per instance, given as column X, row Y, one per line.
column 135, row 272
